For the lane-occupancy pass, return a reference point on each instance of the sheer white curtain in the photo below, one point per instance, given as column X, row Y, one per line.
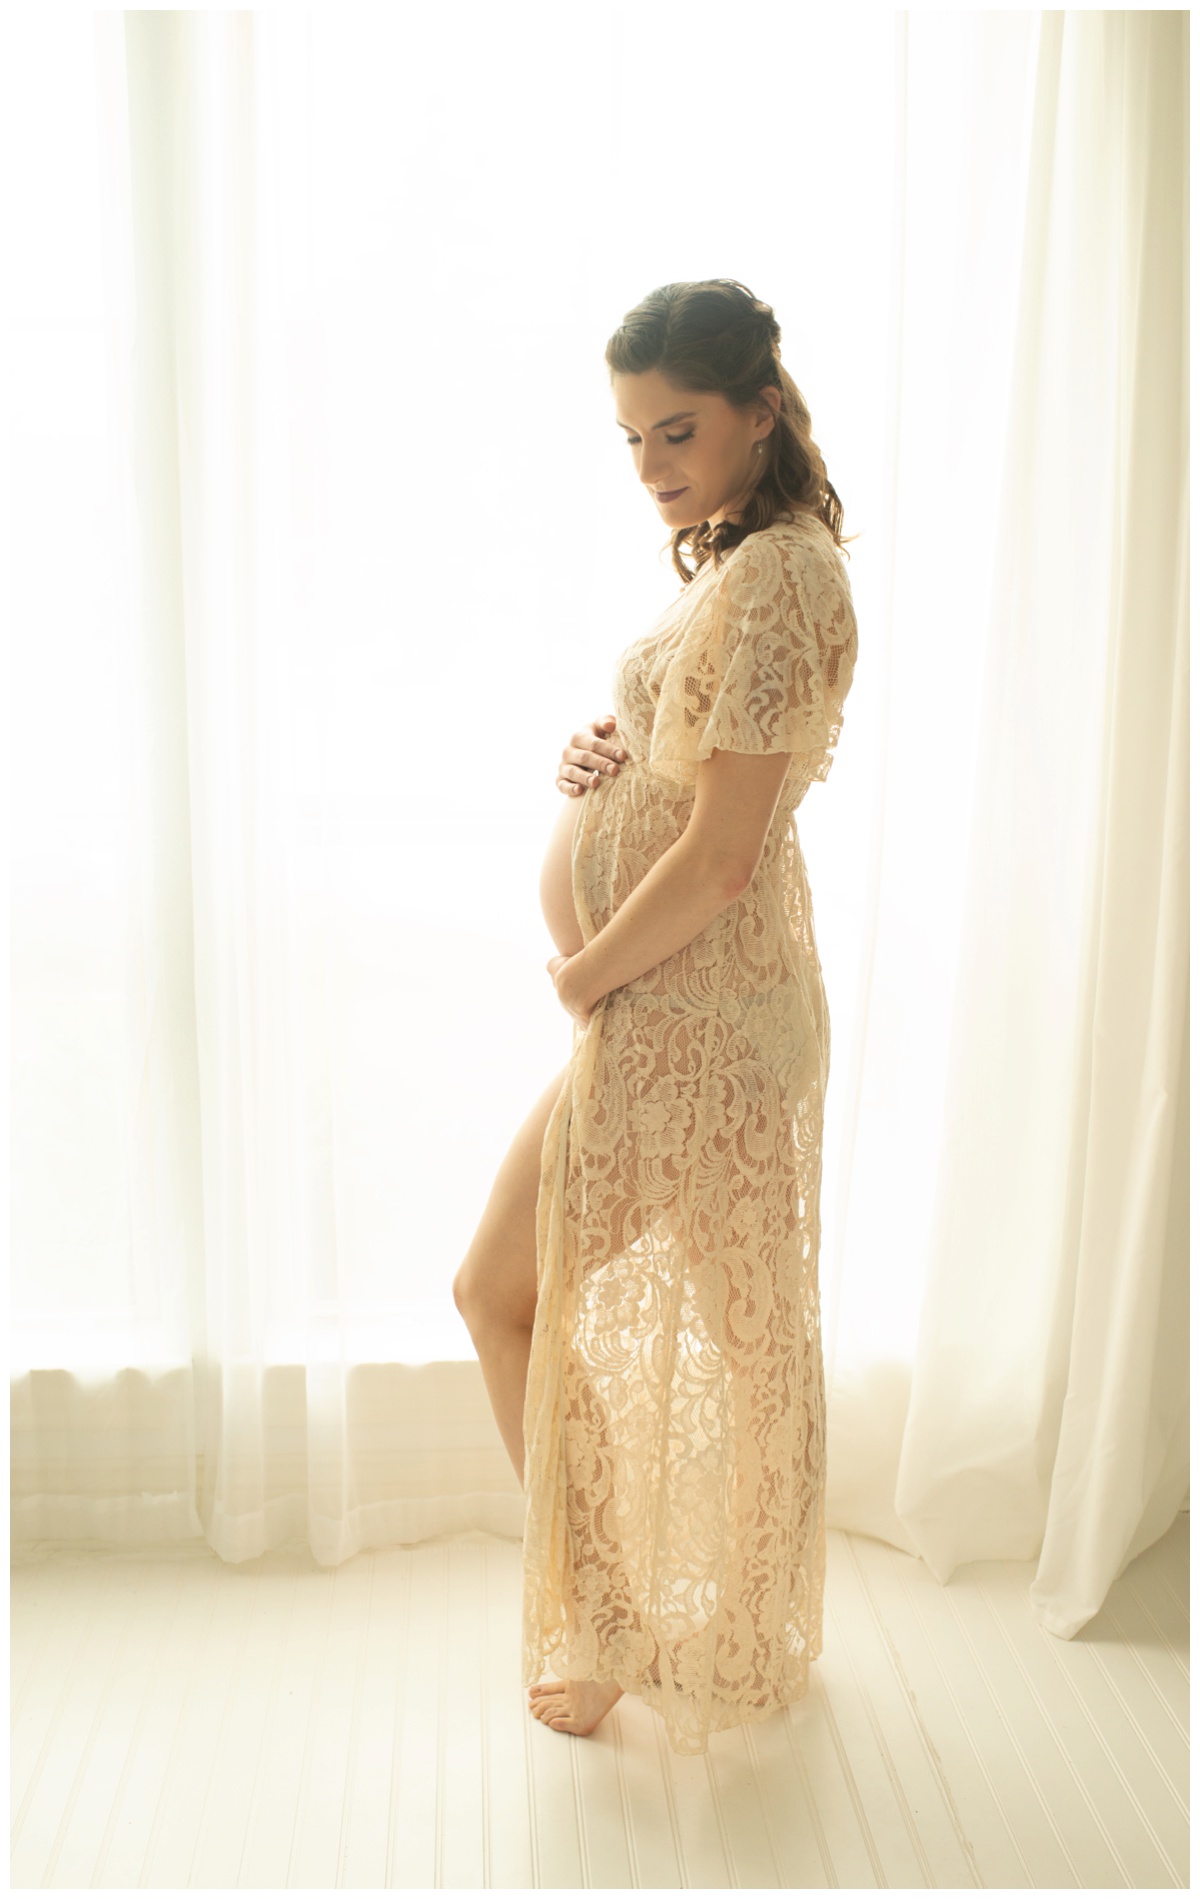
column 1014, row 1140
column 370, row 548
column 335, row 563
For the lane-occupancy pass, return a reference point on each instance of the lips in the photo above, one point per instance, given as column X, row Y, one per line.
column 668, row 494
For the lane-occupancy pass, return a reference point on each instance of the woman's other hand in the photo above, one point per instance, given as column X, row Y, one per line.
column 570, row 982
column 590, row 752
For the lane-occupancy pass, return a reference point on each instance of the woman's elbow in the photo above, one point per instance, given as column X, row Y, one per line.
column 741, row 876
column 725, row 873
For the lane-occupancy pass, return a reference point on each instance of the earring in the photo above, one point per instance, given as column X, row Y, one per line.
column 760, row 448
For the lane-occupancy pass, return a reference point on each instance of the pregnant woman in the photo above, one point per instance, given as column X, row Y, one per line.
column 642, row 1289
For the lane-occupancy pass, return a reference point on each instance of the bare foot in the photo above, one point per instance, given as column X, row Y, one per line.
column 573, row 1707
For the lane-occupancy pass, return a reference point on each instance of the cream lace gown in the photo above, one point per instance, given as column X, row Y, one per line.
column 675, row 1410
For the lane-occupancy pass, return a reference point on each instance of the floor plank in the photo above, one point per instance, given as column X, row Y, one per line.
column 179, row 1721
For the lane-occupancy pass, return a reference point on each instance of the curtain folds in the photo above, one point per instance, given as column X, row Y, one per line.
column 1044, row 1410
column 1005, row 1212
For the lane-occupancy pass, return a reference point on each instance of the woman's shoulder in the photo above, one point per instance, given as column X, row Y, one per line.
column 800, row 527
column 795, row 566
column 797, row 539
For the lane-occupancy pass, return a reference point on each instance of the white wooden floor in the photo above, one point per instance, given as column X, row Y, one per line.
column 180, row 1722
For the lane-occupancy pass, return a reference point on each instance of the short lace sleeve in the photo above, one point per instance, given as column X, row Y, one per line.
column 766, row 661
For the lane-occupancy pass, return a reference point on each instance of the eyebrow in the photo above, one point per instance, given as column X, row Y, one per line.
column 684, row 415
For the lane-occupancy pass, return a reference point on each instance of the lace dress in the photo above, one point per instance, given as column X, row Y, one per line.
column 674, row 1416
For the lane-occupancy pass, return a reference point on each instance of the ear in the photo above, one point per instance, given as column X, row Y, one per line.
column 773, row 397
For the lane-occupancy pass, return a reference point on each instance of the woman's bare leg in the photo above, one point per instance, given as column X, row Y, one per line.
column 495, row 1289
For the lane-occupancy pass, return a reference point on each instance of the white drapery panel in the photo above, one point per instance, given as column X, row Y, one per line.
column 1041, row 1405
column 999, row 862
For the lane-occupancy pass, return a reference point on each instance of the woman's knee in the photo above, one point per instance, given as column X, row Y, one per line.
column 492, row 1288
column 497, row 1281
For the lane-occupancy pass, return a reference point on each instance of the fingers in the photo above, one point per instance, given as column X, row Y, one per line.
column 579, row 770
column 603, row 741
column 590, row 754
column 572, row 779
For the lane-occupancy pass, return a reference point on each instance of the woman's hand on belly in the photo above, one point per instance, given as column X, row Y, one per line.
column 588, row 755
column 590, row 751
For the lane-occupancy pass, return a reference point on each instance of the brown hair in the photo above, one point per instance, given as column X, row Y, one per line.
column 717, row 336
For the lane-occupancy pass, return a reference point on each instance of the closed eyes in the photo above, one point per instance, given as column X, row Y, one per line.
column 674, row 439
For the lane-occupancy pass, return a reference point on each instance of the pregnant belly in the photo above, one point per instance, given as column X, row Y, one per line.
column 750, row 947
column 558, row 902
column 628, row 823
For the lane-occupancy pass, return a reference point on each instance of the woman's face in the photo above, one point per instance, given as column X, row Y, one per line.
column 695, row 453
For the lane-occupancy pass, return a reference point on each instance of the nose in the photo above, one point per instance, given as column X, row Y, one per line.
column 654, row 471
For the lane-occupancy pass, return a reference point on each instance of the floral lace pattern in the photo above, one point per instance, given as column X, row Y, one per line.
column 675, row 1409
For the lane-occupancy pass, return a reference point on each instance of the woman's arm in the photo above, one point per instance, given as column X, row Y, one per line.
column 693, row 880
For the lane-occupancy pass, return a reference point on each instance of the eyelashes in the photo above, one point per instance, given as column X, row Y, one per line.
column 673, row 439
